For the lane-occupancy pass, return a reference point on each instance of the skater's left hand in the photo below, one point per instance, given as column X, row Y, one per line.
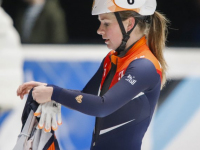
column 26, row 87
column 42, row 94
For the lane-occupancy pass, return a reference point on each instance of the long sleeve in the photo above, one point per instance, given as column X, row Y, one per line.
column 140, row 76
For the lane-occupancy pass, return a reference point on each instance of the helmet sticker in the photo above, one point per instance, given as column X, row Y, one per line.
column 129, row 4
column 119, row 5
column 93, row 4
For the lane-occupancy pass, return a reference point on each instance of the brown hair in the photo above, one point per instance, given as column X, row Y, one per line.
column 156, row 33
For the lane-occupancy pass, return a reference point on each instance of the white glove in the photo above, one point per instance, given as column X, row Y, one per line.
column 47, row 113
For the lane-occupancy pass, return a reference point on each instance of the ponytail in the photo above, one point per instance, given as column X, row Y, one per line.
column 157, row 36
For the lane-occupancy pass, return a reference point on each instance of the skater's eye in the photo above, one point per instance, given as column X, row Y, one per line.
column 106, row 24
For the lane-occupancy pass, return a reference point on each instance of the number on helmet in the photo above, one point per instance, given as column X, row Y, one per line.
column 130, row 4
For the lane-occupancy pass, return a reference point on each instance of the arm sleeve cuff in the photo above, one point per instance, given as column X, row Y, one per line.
column 56, row 92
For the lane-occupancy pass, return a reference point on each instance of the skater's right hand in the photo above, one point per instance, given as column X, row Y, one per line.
column 26, row 87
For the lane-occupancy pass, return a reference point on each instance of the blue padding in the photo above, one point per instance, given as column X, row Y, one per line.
column 3, row 116
column 72, row 75
column 77, row 128
column 176, row 112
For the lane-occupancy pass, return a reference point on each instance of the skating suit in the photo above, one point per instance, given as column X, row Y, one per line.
column 121, row 95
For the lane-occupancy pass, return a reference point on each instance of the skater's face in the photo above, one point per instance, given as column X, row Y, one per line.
column 109, row 30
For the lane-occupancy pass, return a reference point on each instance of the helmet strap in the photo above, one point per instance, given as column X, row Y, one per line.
column 126, row 35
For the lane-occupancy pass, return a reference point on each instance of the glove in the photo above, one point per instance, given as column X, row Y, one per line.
column 47, row 113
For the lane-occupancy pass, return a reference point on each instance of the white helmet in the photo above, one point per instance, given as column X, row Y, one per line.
column 142, row 7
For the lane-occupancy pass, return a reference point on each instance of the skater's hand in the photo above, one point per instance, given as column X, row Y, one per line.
column 47, row 113
column 26, row 87
column 42, row 94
